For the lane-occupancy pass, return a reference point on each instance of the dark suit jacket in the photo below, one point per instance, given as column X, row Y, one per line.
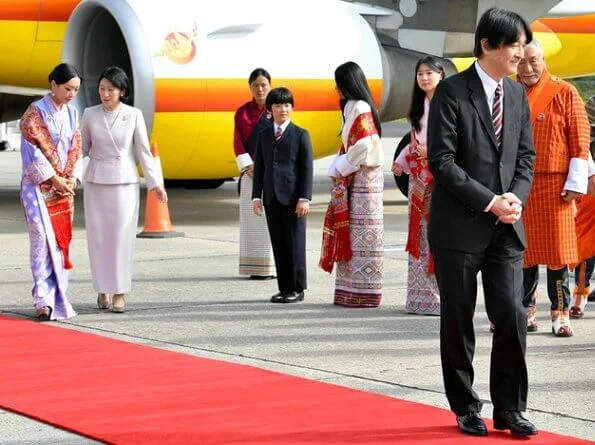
column 283, row 168
column 468, row 166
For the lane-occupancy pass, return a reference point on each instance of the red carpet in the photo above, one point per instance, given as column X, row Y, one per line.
column 123, row 393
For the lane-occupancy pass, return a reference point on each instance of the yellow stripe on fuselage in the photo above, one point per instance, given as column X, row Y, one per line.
column 576, row 57
column 191, row 144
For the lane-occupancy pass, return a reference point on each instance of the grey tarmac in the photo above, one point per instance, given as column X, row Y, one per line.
column 187, row 297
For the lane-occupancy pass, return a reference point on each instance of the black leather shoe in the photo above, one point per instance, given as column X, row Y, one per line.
column 293, row 297
column 472, row 423
column 515, row 422
column 278, row 297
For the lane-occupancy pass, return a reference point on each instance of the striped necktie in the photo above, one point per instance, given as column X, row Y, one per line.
column 278, row 133
column 497, row 114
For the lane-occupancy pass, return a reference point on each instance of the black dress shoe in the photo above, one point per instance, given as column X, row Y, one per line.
column 278, row 297
column 515, row 422
column 472, row 423
column 293, row 297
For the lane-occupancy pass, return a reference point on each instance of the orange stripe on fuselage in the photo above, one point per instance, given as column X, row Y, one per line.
column 29, row 10
column 584, row 24
column 191, row 95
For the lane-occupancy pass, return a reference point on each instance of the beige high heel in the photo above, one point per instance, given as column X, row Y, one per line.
column 118, row 308
column 103, row 301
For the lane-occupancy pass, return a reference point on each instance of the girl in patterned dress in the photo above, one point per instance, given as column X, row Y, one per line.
column 422, row 290
column 358, row 167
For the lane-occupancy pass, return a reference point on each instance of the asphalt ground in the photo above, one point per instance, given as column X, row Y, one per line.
column 188, row 297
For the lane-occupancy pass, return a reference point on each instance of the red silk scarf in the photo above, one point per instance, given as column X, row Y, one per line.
column 336, row 244
column 420, row 184
column 60, row 208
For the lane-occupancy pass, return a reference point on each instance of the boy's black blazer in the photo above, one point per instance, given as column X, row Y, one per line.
column 283, row 168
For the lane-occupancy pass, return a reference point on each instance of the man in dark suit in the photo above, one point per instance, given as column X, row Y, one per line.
column 480, row 147
column 283, row 173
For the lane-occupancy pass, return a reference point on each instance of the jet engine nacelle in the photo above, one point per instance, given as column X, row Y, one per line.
column 399, row 77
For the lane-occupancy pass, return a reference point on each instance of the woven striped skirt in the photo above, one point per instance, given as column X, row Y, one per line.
column 359, row 280
column 256, row 253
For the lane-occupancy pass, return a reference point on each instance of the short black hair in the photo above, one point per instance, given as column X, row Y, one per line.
column 257, row 73
column 63, row 73
column 280, row 95
column 118, row 78
column 500, row 27
column 352, row 83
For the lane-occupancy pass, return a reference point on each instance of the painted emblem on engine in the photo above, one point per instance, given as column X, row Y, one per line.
column 179, row 46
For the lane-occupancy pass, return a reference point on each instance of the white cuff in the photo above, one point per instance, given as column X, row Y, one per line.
column 591, row 166
column 577, row 176
column 491, row 204
column 344, row 167
column 244, row 160
column 256, row 199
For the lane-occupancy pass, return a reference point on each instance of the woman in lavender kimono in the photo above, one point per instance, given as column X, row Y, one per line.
column 52, row 166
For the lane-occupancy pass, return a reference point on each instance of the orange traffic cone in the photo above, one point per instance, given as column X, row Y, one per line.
column 157, row 221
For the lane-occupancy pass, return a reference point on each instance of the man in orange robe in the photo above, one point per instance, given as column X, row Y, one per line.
column 585, row 231
column 561, row 137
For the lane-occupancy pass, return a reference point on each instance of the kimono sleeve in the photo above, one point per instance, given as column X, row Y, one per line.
column 362, row 145
column 36, row 167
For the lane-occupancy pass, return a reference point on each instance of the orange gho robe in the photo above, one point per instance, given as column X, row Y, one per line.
column 560, row 133
column 585, row 227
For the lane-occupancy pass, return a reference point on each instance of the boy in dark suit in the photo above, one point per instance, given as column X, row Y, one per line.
column 283, row 181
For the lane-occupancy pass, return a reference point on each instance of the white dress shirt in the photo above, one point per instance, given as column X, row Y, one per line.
column 489, row 87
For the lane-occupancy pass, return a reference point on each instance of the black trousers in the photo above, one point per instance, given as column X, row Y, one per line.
column 501, row 267
column 558, row 287
column 288, row 238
